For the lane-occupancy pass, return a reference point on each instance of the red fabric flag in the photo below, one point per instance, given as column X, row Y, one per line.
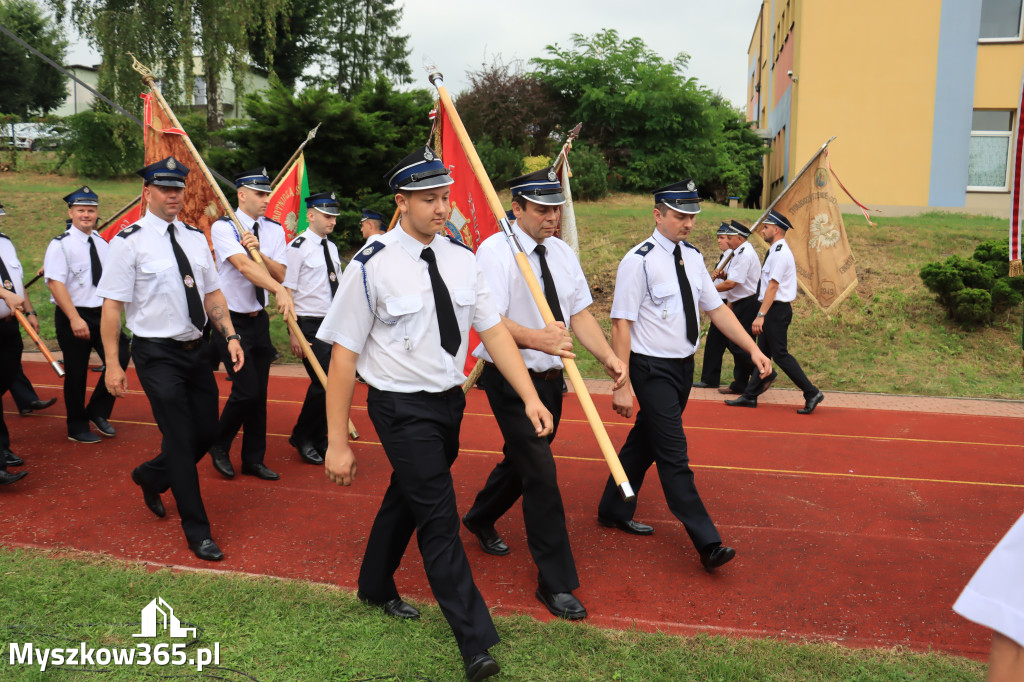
column 126, row 218
column 1017, row 190
column 201, row 206
column 471, row 220
column 287, row 201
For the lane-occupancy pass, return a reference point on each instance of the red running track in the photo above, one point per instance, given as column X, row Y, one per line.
column 853, row 526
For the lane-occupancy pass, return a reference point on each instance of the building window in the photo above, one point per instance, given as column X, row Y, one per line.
column 199, row 91
column 1000, row 20
column 989, row 163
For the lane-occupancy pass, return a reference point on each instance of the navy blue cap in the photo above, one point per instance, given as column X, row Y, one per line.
column 724, row 229
column 167, row 172
column 679, row 196
column 738, row 228
column 420, row 170
column 371, row 215
column 325, row 202
column 540, row 187
column 254, row 178
column 773, row 217
column 83, row 196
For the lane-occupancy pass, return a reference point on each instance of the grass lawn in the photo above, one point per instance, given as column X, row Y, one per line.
column 271, row 629
column 889, row 337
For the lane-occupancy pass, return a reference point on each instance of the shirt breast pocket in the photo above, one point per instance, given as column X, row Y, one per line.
column 465, row 302
column 666, row 296
column 408, row 325
column 158, row 276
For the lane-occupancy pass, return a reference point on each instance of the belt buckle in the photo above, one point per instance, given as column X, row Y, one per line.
column 190, row 345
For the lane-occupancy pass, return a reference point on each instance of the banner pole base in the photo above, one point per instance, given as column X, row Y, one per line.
column 626, row 490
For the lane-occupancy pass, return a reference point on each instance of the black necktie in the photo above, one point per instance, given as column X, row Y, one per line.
column 757, row 292
column 550, row 293
column 332, row 276
column 94, row 260
column 261, row 295
column 195, row 304
column 692, row 330
column 451, row 338
column 5, row 277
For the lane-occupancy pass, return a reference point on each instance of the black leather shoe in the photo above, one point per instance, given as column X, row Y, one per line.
column 207, row 550
column 561, row 604
column 85, row 437
column 12, row 459
column 767, row 382
column 811, row 403
column 490, row 541
column 480, row 666
column 716, row 556
column 630, row 526
column 38, row 405
column 396, row 608
column 742, row 401
column 701, row 384
column 7, row 477
column 221, row 462
column 99, row 368
column 307, row 452
column 104, row 427
column 259, row 471
column 149, row 496
column 729, row 390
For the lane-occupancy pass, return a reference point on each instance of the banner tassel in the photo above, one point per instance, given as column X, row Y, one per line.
column 1016, row 268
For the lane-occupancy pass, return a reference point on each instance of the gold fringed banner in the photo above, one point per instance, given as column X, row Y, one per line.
column 1016, row 269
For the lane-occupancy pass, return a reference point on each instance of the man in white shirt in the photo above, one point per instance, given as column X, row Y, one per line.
column 245, row 283
column 371, row 225
column 740, row 288
column 73, row 265
column 658, row 288
column 776, row 290
column 715, row 343
column 528, row 469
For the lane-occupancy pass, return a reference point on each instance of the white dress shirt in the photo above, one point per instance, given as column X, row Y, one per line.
column 780, row 266
column 647, row 293
column 240, row 292
column 142, row 272
column 744, row 269
column 14, row 269
column 391, row 321
column 513, row 298
column 307, row 275
column 67, row 261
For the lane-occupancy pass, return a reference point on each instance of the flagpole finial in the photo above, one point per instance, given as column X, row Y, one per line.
column 147, row 75
column 312, row 133
column 433, row 74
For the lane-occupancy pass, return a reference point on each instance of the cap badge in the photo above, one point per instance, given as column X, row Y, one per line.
column 551, row 175
column 264, row 172
column 691, row 186
column 171, row 165
column 87, row 190
column 189, row 282
column 332, row 196
column 428, row 155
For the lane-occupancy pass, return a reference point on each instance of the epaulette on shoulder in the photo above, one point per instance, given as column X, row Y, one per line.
column 192, row 227
column 686, row 243
column 740, row 250
column 644, row 249
column 369, row 252
column 61, row 236
column 779, row 247
column 455, row 241
column 223, row 217
column 128, row 231
column 5, row 236
column 271, row 220
column 297, row 242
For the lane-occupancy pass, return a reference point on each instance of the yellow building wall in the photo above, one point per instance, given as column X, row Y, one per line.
column 997, row 80
column 879, row 108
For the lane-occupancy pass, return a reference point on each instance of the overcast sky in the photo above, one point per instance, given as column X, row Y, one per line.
column 460, row 35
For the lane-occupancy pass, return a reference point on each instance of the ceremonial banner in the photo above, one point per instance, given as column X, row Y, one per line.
column 824, row 262
column 567, row 227
column 471, row 220
column 129, row 216
column 201, row 207
column 288, row 200
column 1017, row 189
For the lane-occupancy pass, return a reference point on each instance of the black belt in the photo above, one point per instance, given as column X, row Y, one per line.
column 424, row 394
column 655, row 357
column 309, row 318
column 173, row 343
column 253, row 314
column 549, row 375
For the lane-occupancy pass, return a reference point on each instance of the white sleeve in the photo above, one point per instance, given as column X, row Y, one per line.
column 225, row 241
column 582, row 298
column 293, row 262
column 55, row 264
column 496, row 273
column 277, row 248
column 710, row 297
column 349, row 319
column 629, row 288
column 118, row 280
column 485, row 314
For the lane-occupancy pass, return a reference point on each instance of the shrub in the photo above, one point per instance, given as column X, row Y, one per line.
column 589, row 172
column 974, row 289
column 502, row 163
column 103, row 145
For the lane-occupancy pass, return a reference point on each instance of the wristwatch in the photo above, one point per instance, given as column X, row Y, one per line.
column 233, row 337
column 760, row 314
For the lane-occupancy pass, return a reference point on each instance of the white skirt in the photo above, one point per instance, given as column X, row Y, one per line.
column 995, row 595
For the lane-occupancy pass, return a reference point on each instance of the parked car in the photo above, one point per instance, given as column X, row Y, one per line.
column 34, row 136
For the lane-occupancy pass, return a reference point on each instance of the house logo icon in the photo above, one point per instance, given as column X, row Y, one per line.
column 159, row 613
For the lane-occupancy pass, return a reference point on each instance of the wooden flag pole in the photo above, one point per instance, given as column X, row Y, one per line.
column 149, row 80
column 287, row 166
column 610, row 456
column 39, row 343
